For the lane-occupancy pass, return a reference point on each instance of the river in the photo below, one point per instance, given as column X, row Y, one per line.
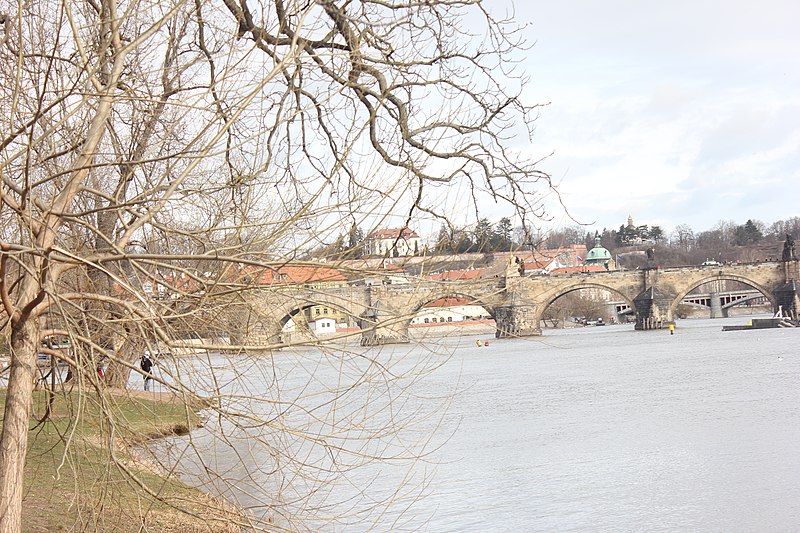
column 590, row 429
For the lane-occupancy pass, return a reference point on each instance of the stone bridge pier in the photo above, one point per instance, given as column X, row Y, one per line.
column 378, row 328
column 247, row 327
column 787, row 299
column 715, row 304
column 517, row 321
column 653, row 310
column 385, row 320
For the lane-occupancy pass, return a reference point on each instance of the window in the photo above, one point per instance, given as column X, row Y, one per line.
column 326, row 310
column 449, row 319
column 427, row 320
column 316, row 311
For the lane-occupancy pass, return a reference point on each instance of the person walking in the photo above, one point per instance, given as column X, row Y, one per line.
column 146, row 365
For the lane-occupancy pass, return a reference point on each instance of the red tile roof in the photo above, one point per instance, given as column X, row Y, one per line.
column 394, row 233
column 300, row 274
column 453, row 275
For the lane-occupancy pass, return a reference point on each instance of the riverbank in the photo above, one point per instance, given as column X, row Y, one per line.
column 75, row 481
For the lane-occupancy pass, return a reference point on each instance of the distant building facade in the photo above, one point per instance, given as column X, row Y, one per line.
column 393, row 242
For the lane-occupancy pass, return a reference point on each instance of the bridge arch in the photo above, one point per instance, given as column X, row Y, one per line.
column 768, row 294
column 271, row 310
column 420, row 303
column 291, row 309
column 577, row 286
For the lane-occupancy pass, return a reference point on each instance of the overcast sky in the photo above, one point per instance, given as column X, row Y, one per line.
column 673, row 112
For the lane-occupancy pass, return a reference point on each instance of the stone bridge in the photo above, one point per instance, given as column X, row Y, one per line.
column 516, row 303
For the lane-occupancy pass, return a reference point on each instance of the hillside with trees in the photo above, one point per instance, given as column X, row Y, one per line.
column 726, row 242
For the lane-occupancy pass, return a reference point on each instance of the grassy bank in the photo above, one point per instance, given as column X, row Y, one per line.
column 77, row 477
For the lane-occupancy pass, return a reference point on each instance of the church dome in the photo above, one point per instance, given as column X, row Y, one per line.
column 598, row 255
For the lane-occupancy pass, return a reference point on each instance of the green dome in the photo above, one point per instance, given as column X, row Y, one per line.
column 598, row 254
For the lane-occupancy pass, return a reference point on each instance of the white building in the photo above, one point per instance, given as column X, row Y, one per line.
column 393, row 242
column 450, row 310
column 323, row 325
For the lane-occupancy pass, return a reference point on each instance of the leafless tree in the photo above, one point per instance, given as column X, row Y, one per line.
column 153, row 152
column 683, row 237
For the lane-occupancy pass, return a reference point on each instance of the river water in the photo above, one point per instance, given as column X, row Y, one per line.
column 591, row 429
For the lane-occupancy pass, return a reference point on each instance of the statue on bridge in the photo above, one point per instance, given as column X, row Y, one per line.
column 520, row 266
column 788, row 249
column 651, row 257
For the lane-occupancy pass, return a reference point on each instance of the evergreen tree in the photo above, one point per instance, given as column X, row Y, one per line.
column 354, row 242
column 501, row 239
column 627, row 235
column 462, row 242
column 656, row 234
column 748, row 233
column 483, row 236
column 444, row 241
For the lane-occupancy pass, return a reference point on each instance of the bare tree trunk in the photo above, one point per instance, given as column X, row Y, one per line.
column 129, row 350
column 15, row 424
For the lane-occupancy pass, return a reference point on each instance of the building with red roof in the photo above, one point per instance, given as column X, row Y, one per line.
column 393, row 242
column 458, row 275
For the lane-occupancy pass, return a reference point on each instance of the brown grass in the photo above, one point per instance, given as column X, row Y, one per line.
column 73, row 481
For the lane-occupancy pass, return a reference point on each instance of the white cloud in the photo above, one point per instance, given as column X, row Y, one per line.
column 674, row 112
